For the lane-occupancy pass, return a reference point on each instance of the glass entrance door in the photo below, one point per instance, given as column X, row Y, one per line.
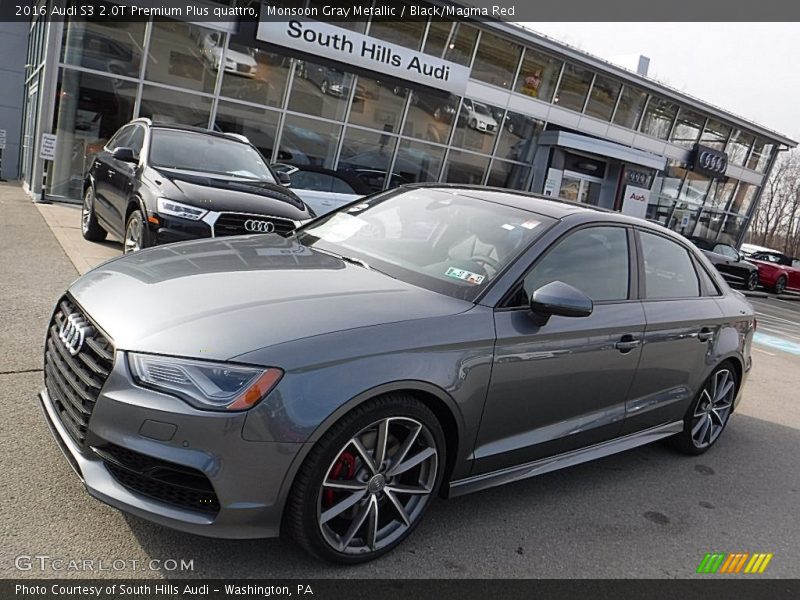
column 579, row 188
column 29, row 134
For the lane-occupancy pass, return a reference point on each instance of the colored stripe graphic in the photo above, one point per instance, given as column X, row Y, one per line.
column 734, row 562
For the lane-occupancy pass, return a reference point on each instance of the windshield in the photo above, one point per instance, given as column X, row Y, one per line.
column 441, row 240
column 209, row 154
column 480, row 109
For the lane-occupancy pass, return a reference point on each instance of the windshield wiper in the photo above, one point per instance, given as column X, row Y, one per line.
column 352, row 260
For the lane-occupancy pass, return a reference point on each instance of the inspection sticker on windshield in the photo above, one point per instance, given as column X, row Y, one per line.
column 530, row 224
column 463, row 275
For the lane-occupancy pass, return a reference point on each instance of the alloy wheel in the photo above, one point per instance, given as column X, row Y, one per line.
column 133, row 235
column 86, row 210
column 752, row 281
column 780, row 285
column 378, row 485
column 713, row 408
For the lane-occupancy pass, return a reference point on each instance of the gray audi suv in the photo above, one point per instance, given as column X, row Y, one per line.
column 428, row 341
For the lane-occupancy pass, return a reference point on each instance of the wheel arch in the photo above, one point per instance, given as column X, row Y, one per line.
column 433, row 397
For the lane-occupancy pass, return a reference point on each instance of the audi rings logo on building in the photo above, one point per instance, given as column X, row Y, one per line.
column 713, row 162
column 709, row 161
column 73, row 332
column 259, row 226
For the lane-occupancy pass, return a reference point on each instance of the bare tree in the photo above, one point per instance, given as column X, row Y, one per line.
column 776, row 221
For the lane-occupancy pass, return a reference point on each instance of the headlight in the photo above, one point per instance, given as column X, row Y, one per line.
column 177, row 209
column 203, row 384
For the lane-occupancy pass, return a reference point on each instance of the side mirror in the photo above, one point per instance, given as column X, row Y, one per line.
column 284, row 179
column 124, row 155
column 559, row 298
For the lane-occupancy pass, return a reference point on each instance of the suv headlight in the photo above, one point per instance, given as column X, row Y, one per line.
column 178, row 209
column 203, row 384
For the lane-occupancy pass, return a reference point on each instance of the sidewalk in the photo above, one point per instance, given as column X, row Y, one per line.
column 34, row 272
column 64, row 221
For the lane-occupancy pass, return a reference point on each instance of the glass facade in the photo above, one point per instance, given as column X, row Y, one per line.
column 299, row 110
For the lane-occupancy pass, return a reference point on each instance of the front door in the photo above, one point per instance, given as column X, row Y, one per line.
column 563, row 385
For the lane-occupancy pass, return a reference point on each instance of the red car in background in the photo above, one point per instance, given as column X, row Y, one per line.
column 777, row 271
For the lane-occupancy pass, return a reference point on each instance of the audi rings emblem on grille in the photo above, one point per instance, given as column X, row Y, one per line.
column 259, row 226
column 73, row 332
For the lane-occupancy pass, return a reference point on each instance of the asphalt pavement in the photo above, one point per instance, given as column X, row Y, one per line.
column 648, row 512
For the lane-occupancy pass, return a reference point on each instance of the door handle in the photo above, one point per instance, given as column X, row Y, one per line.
column 627, row 343
column 705, row 334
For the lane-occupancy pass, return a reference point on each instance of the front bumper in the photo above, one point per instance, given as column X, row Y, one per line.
column 249, row 478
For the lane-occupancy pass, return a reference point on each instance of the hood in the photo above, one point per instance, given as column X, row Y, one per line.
column 229, row 195
column 219, row 298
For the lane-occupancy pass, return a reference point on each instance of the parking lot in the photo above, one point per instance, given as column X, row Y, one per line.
column 648, row 512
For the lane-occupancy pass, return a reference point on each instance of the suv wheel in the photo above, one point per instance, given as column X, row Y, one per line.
column 366, row 484
column 137, row 236
column 90, row 228
column 780, row 285
column 752, row 281
column 709, row 413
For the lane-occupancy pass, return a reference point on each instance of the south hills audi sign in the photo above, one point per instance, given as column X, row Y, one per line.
column 358, row 50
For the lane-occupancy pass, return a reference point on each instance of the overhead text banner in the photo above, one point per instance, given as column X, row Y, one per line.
column 530, row 11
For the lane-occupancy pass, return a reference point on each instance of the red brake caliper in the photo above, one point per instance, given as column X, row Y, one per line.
column 344, row 468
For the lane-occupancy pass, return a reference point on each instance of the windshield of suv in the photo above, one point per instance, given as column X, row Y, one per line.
column 480, row 109
column 443, row 240
column 208, row 154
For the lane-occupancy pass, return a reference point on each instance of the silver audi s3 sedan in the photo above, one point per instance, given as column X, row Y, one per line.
column 427, row 341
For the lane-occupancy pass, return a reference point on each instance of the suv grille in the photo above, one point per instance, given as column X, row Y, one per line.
column 234, row 224
column 73, row 381
column 168, row 482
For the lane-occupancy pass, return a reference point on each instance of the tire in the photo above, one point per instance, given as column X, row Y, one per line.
column 510, row 127
column 473, row 124
column 137, row 235
column 324, row 87
column 346, row 536
column 752, row 281
column 780, row 285
column 90, row 228
column 709, row 413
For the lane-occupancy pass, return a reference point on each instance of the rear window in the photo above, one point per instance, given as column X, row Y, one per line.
column 668, row 268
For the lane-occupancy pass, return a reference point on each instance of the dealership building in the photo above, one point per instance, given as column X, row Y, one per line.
column 398, row 101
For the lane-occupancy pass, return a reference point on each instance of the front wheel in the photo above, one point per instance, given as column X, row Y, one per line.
column 90, row 228
column 137, row 236
column 709, row 413
column 366, row 484
column 780, row 285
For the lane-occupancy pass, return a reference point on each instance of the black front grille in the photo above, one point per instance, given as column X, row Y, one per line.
column 167, row 482
column 73, row 382
column 234, row 224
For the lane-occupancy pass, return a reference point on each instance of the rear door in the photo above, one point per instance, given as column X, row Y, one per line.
column 563, row 385
column 683, row 321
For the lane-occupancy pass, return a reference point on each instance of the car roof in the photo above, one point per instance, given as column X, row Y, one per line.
column 191, row 129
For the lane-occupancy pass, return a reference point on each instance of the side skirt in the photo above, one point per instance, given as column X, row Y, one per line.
column 568, row 459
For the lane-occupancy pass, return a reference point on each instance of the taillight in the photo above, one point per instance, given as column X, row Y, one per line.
column 755, row 323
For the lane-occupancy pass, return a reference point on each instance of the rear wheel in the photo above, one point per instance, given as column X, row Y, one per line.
column 709, row 413
column 324, row 87
column 780, row 285
column 90, row 228
column 137, row 236
column 752, row 281
column 367, row 483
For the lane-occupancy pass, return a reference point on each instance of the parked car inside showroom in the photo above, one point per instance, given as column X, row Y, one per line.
column 156, row 183
column 777, row 271
column 729, row 262
column 328, row 385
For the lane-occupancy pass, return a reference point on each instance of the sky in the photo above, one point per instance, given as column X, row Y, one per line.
column 749, row 69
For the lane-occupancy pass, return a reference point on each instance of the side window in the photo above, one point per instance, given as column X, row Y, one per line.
column 668, row 268
column 120, row 138
column 725, row 250
column 594, row 260
column 136, row 141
